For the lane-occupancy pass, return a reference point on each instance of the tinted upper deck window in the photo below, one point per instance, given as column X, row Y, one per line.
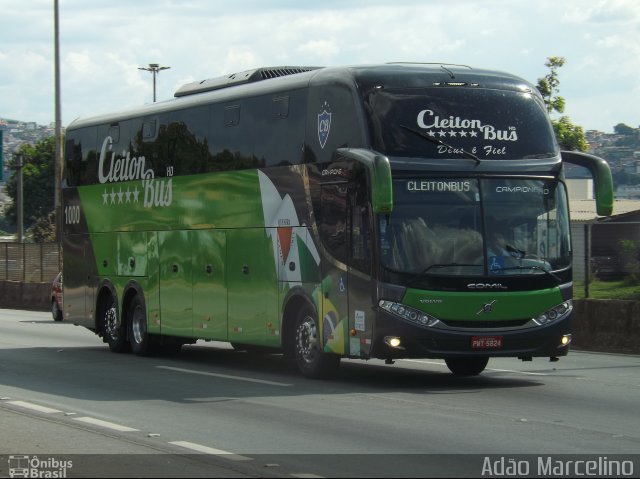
column 442, row 122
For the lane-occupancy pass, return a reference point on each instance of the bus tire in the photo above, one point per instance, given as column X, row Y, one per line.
column 114, row 334
column 466, row 366
column 311, row 360
column 139, row 338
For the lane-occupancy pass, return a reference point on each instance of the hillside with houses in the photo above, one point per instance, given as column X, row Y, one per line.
column 621, row 149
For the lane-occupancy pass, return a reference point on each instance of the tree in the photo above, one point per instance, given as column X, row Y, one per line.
column 38, row 181
column 569, row 136
column 549, row 85
column 44, row 229
column 622, row 129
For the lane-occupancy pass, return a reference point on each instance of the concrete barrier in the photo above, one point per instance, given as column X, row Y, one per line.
column 609, row 326
column 606, row 325
column 19, row 295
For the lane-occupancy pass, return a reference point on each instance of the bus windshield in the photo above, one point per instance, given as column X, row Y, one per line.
column 459, row 122
column 476, row 227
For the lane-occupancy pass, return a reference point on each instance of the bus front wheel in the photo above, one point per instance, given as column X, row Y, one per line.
column 311, row 360
column 466, row 366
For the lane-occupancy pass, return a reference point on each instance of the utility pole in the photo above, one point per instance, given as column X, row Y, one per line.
column 58, row 129
column 19, row 198
column 154, row 68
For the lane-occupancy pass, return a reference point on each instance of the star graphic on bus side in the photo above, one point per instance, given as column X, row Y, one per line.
column 121, row 196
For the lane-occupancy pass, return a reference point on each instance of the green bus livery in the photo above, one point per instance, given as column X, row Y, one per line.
column 385, row 211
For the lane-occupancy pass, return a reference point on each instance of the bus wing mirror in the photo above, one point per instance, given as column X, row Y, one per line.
column 601, row 174
column 379, row 172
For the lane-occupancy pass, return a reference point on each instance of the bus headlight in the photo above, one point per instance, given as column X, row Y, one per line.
column 560, row 311
column 408, row 313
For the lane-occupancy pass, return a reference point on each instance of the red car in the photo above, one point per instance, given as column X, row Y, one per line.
column 56, row 298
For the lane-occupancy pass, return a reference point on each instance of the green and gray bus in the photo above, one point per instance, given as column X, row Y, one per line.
column 385, row 211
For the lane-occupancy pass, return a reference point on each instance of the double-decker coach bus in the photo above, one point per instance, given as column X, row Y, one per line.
column 390, row 211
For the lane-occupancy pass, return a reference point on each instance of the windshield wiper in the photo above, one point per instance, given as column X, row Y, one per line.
column 515, row 252
column 435, row 140
column 554, row 276
column 438, row 266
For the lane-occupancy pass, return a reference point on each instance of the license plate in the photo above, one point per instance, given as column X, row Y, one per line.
column 486, row 342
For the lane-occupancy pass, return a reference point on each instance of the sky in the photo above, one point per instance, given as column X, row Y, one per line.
column 104, row 42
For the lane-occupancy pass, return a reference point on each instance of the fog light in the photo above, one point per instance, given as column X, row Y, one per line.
column 392, row 341
column 566, row 339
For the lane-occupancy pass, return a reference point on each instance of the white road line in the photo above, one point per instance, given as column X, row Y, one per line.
column 305, row 475
column 225, row 376
column 422, row 361
column 488, row 369
column 518, row 372
column 209, row 450
column 106, row 424
column 34, row 407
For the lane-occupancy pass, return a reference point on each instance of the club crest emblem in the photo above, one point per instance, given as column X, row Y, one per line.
column 324, row 124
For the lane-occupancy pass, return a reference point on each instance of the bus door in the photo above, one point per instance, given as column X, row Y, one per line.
column 361, row 286
column 333, row 302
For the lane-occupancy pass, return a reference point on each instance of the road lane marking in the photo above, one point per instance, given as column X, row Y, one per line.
column 225, row 376
column 518, row 372
column 488, row 369
column 34, row 407
column 210, row 450
column 106, row 424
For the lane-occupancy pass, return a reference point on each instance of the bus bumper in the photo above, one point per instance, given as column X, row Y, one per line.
column 446, row 341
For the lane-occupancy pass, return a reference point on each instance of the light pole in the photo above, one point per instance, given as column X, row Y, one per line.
column 154, row 68
column 58, row 129
column 19, row 197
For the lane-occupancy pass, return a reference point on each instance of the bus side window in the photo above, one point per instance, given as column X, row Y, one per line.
column 333, row 220
column 360, row 230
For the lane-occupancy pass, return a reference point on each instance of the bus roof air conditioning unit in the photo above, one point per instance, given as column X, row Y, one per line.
column 249, row 76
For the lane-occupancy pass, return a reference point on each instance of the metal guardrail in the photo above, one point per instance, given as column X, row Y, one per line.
column 29, row 262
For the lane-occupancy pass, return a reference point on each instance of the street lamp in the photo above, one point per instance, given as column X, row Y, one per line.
column 154, row 68
column 19, row 164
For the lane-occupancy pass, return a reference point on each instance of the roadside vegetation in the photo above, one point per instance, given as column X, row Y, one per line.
column 619, row 289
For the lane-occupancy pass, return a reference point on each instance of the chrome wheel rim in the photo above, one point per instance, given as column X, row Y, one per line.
column 111, row 323
column 137, row 325
column 307, row 341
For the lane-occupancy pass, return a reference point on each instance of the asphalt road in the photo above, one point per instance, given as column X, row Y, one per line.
column 214, row 412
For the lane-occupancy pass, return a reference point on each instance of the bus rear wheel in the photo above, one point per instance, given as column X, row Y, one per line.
column 466, row 366
column 114, row 333
column 141, row 342
column 311, row 360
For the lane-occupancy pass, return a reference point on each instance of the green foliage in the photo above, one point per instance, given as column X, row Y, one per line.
column 44, row 229
column 630, row 256
column 549, row 85
column 569, row 136
column 38, row 182
column 622, row 129
column 608, row 290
